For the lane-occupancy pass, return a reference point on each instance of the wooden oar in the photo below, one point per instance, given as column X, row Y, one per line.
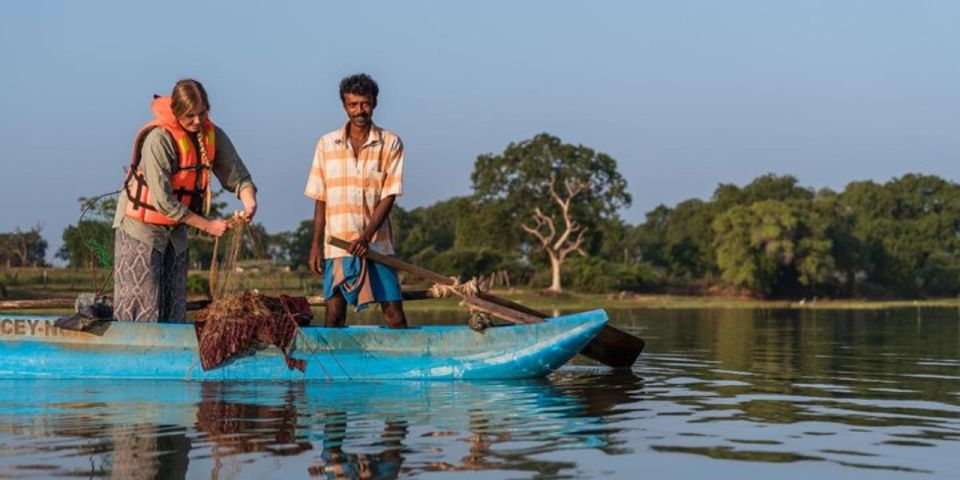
column 37, row 303
column 612, row 346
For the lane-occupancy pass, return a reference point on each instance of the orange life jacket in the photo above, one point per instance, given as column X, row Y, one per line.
column 190, row 177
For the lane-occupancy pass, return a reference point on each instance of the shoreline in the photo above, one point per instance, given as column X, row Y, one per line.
column 63, row 284
column 582, row 301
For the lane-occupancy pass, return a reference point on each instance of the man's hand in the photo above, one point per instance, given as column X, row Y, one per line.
column 316, row 259
column 359, row 247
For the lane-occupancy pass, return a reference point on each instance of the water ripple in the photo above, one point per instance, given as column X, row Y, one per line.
column 727, row 394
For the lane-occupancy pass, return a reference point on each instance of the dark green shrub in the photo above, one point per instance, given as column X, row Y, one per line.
column 198, row 285
column 940, row 275
column 466, row 263
column 594, row 275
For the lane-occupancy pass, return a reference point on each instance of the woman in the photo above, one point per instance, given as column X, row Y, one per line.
column 167, row 189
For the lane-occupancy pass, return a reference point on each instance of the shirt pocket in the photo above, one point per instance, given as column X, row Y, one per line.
column 374, row 186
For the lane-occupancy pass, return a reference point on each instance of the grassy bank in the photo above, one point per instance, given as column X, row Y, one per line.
column 37, row 283
column 580, row 301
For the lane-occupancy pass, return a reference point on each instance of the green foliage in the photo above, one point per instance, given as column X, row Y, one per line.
column 773, row 247
column 772, row 236
column 595, row 275
column 100, row 208
column 424, row 257
column 489, row 225
column 532, row 176
column 683, row 240
column 591, row 274
column 940, row 274
column 88, row 244
column 199, row 251
column 508, row 187
column 292, row 248
column 766, row 187
column 615, row 240
column 254, row 245
column 465, row 263
column 198, row 285
column 753, row 243
column 680, row 240
column 434, row 226
column 23, row 248
column 900, row 225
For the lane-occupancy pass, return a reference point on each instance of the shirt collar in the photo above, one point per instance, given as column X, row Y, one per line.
column 374, row 137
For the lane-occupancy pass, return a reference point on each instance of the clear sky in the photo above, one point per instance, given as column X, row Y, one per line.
column 683, row 94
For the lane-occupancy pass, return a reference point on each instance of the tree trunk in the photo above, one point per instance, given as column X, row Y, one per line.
column 555, row 266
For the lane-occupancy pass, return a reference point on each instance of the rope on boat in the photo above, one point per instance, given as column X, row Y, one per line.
column 478, row 320
column 472, row 288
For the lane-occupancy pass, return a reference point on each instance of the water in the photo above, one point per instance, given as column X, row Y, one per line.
column 724, row 394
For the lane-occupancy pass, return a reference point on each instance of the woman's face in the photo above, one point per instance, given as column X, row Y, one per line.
column 192, row 121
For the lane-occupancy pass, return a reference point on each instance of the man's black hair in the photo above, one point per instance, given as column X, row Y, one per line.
column 359, row 84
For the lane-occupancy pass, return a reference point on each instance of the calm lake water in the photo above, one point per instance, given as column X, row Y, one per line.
column 718, row 394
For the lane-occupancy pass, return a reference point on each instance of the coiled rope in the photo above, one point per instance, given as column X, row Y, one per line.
column 473, row 288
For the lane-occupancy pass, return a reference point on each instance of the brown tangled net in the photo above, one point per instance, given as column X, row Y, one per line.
column 240, row 324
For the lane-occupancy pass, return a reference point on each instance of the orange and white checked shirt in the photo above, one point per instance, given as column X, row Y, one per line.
column 352, row 185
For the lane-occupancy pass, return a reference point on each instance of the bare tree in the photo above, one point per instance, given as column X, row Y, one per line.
column 545, row 228
column 23, row 248
column 21, row 244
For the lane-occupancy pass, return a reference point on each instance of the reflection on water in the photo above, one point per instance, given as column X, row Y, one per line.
column 730, row 394
column 349, row 430
column 867, row 393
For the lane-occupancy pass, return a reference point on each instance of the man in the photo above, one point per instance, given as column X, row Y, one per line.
column 355, row 179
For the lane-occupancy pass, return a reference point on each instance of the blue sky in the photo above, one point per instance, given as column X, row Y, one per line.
column 683, row 94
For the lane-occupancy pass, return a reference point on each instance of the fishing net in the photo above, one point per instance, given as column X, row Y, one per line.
column 239, row 320
column 243, row 323
column 241, row 250
column 233, row 428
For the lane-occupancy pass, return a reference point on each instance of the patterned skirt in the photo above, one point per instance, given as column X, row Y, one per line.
column 149, row 286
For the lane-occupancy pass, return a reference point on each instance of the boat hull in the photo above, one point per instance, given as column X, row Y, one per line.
column 31, row 347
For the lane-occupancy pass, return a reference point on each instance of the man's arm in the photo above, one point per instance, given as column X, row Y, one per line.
column 360, row 246
column 317, row 190
column 316, row 243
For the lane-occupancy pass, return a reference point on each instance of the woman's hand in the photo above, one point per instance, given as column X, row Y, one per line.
column 213, row 227
column 216, row 227
column 248, row 197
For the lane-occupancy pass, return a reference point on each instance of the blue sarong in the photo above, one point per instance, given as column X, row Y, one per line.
column 379, row 282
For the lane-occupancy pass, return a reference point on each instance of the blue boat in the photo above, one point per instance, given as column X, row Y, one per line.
column 32, row 347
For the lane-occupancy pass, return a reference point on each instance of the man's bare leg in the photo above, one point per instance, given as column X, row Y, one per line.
column 393, row 314
column 336, row 306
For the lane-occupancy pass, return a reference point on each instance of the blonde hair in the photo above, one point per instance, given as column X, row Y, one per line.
column 188, row 94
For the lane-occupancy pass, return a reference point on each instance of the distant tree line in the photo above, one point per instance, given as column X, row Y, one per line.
column 545, row 214
column 773, row 237
column 23, row 248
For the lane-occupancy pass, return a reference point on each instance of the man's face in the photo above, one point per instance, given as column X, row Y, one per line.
column 359, row 109
column 193, row 120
